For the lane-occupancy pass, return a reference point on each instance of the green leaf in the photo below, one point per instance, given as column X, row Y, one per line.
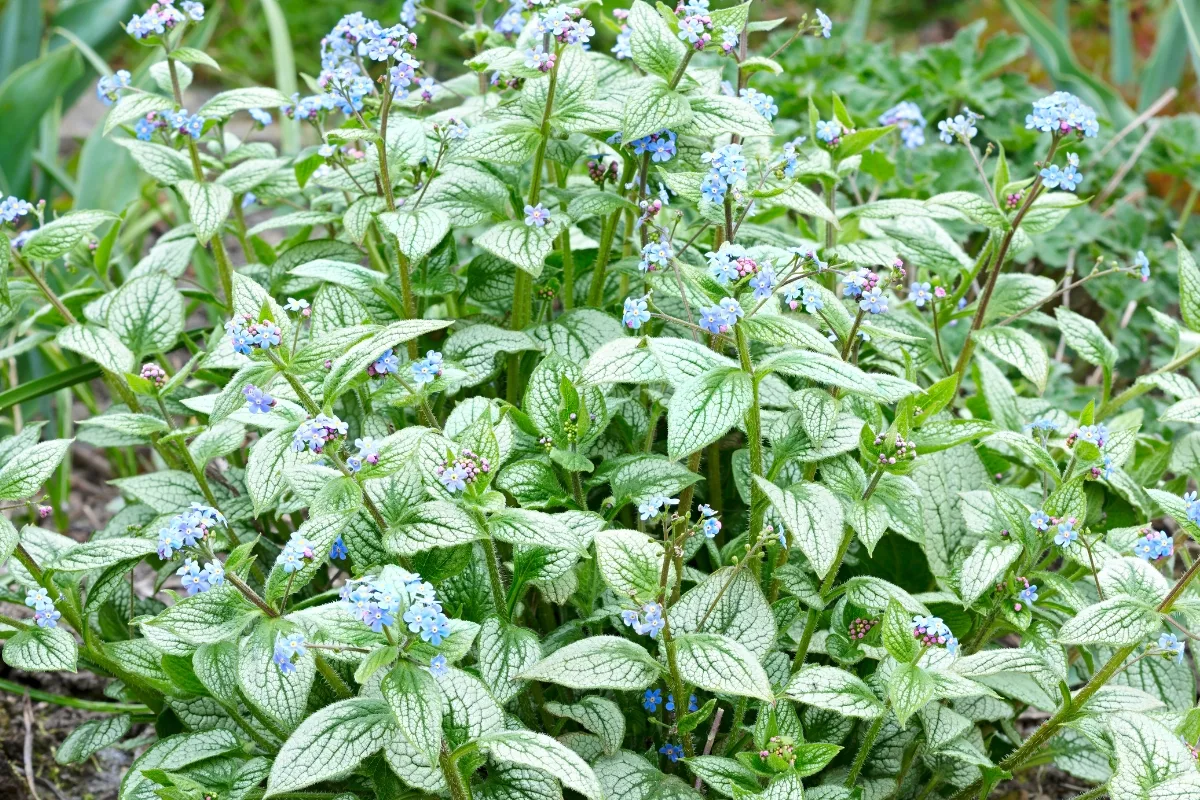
column 147, row 314
column 630, row 563
column 731, row 603
column 353, row 363
column 513, row 241
column 99, row 344
column 985, row 566
column 910, row 688
column 836, row 690
column 599, row 715
column 334, row 740
column 860, row 141
column 218, row 614
column 818, row 412
column 1086, row 338
column 814, row 518
column 705, row 408
column 650, row 107
column 1189, row 285
column 1049, row 210
column 1116, row 621
column 539, row 751
column 59, row 237
column 226, row 103
column 505, row 651
column 898, row 633
column 970, row 207
column 41, row 650
column 209, row 205
column 438, row 523
column 320, row 531
column 281, row 698
column 417, row 231
column 832, row 371
column 91, row 737
column 100, row 553
column 598, row 662
column 174, row 753
column 134, row 106
column 28, row 470
column 413, row 695
column 1020, row 349
column 165, row 165
column 534, row 528
column 654, row 45
column 725, row 776
column 715, row 113
column 629, row 776
column 501, row 143
column 719, row 664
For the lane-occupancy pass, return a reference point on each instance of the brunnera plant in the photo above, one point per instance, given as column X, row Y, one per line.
column 555, row 429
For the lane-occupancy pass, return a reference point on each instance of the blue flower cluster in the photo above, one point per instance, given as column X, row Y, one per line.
column 637, row 312
column 1066, row 179
column 908, row 119
column 245, row 334
column 830, row 131
column 710, row 526
column 108, row 88
column 386, row 364
column 566, row 24
column 1154, row 545
column 377, row 602
column 1092, row 434
column 296, row 552
column 802, row 294
column 727, row 170
column 1191, row 507
column 695, row 27
column 787, row 162
column 288, row 649
column 656, row 505
column 721, row 317
column 933, row 632
column 196, row 580
column 188, row 529
column 162, row 17
column 646, row 623
column 317, row 432
column 512, row 21
column 1060, row 113
column 764, row 104
column 960, row 127
column 661, row 146
column 428, row 369
column 654, row 255
column 463, row 471
column 45, row 615
column 13, row 208
column 355, row 38
column 368, row 453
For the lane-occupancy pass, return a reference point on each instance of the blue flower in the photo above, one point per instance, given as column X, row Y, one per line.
column 825, row 22
column 829, row 131
column 655, row 254
column 711, row 527
column 920, row 294
column 438, row 667
column 108, row 88
column 1029, row 594
column 1067, row 535
column 297, row 305
column 338, row 552
column 1154, row 545
column 714, row 320
column 652, row 699
column 435, row 628
column 1143, row 265
column 144, row 129
column 661, row 146
column 12, row 209
column 38, row 598
column 292, row 644
column 763, row 283
column 959, row 127
column 191, row 577
column 260, row 116
column 874, row 301
column 47, row 617
column 387, row 363
column 909, row 120
column 258, row 401
column 249, row 199
column 536, row 216
column 670, row 706
column 673, row 752
column 427, row 369
column 712, row 189
column 1040, row 520
column 637, row 312
column 283, row 659
column 1042, row 424
column 1171, row 646
column 213, row 573
column 733, row 310
column 267, row 334
column 454, row 479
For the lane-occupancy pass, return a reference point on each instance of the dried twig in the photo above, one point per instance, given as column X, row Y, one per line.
column 27, row 716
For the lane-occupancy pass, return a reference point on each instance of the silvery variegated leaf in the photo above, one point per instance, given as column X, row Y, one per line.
column 173, row 753
column 209, row 205
column 539, row 751
column 92, row 736
column 719, row 664
column 835, row 690
column 505, row 651
column 1148, row 755
column 37, row 649
column 415, row 700
column 598, row 662
column 58, row 237
column 704, row 409
column 630, row 562
column 731, row 603
column 984, row 567
column 629, row 776
column 812, row 516
column 332, row 741
column 599, row 715
column 1117, row 621
column 26, row 471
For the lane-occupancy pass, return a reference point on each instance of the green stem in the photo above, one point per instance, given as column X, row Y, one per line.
column 494, row 577
column 454, row 778
column 758, row 502
column 98, row 706
column 608, row 232
column 865, row 749
column 1139, row 389
column 335, row 681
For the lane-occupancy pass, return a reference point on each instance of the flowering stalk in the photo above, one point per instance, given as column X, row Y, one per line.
column 216, row 244
column 522, row 282
column 997, row 266
column 608, row 231
column 758, row 501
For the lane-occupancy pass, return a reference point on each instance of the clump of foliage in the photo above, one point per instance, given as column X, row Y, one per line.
column 582, row 426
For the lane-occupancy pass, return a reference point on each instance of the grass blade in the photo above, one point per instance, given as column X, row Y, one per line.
column 285, row 69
